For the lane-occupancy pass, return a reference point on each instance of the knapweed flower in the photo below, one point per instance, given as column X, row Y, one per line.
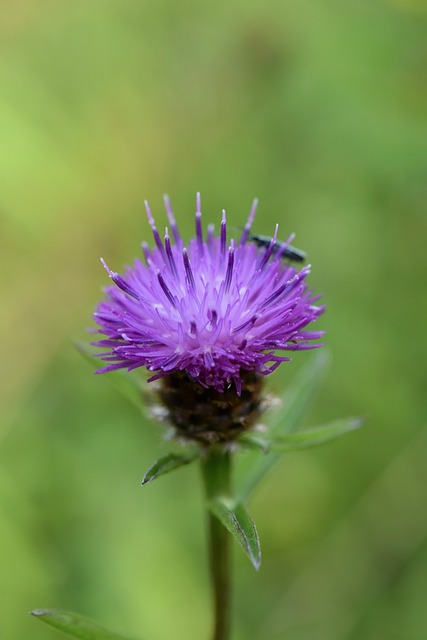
column 209, row 317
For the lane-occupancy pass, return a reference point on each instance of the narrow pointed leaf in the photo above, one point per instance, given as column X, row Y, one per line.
column 75, row 625
column 254, row 441
column 240, row 524
column 299, row 393
column 168, row 463
column 316, row 436
column 296, row 399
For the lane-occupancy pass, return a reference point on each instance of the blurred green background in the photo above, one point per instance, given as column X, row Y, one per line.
column 320, row 110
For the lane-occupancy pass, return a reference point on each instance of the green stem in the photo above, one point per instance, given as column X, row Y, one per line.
column 216, row 470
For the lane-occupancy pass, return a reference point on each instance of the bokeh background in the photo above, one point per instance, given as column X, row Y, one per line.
column 317, row 108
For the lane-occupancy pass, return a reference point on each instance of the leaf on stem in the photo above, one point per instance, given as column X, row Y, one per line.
column 168, row 463
column 240, row 524
column 254, row 441
column 295, row 402
column 316, row 436
column 75, row 625
column 299, row 393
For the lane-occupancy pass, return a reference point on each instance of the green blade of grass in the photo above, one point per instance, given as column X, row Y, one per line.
column 75, row 625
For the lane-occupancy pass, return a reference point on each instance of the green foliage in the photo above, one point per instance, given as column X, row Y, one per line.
column 239, row 523
column 168, row 463
column 286, row 418
column 299, row 393
column 316, row 436
column 305, row 439
column 75, row 625
column 280, row 438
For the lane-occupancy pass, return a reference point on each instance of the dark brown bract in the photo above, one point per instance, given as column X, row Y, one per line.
column 208, row 416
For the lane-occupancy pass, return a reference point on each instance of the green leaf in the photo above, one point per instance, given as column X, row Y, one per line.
column 300, row 392
column 130, row 384
column 254, row 441
column 316, row 436
column 75, row 625
column 240, row 524
column 286, row 419
column 168, row 463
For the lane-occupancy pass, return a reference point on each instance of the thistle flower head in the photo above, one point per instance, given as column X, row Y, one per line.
column 212, row 310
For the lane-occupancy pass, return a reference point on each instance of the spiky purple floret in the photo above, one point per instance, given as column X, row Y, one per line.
column 212, row 308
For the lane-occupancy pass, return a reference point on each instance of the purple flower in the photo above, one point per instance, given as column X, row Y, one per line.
column 213, row 308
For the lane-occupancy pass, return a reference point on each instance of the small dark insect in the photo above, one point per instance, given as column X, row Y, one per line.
column 288, row 253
